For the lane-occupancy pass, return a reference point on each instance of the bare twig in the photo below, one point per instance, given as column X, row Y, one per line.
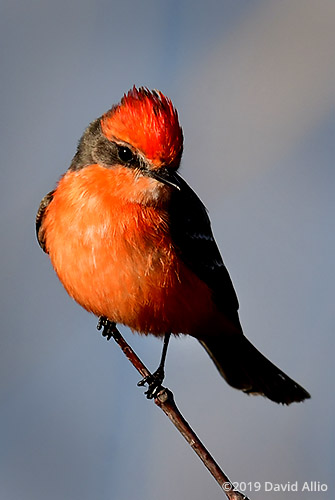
column 165, row 400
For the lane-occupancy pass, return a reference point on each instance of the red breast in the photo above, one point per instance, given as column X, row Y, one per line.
column 115, row 257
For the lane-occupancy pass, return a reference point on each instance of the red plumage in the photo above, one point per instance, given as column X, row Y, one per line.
column 149, row 122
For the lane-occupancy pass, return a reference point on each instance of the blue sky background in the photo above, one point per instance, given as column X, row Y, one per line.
column 254, row 83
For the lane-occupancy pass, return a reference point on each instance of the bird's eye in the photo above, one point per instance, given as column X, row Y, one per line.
column 125, row 154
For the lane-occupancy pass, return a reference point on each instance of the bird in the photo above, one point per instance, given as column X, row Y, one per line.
column 132, row 243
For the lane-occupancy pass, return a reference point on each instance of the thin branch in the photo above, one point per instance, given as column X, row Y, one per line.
column 165, row 400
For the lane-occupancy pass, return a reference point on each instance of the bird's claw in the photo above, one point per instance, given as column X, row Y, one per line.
column 107, row 327
column 154, row 382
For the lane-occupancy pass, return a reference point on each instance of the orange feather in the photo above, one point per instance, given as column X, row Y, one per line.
column 115, row 257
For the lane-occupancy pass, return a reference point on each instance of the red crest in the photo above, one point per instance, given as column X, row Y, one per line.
column 148, row 121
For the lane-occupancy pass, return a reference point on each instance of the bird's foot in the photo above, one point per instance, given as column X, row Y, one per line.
column 107, row 327
column 154, row 382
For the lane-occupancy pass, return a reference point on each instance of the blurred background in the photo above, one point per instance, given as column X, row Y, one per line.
column 254, row 83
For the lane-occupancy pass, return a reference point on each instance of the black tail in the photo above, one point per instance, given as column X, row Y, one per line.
column 245, row 368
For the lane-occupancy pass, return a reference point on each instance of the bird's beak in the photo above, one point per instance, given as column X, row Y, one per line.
column 164, row 176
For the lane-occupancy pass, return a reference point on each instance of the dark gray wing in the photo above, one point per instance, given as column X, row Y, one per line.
column 192, row 235
column 39, row 219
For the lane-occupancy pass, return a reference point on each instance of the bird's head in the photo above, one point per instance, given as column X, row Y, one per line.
column 141, row 133
column 147, row 121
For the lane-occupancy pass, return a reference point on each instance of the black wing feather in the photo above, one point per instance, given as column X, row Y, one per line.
column 192, row 235
column 39, row 219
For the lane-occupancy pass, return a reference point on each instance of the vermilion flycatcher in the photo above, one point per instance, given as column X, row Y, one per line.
column 131, row 242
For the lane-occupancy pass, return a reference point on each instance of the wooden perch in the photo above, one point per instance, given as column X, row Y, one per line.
column 165, row 400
